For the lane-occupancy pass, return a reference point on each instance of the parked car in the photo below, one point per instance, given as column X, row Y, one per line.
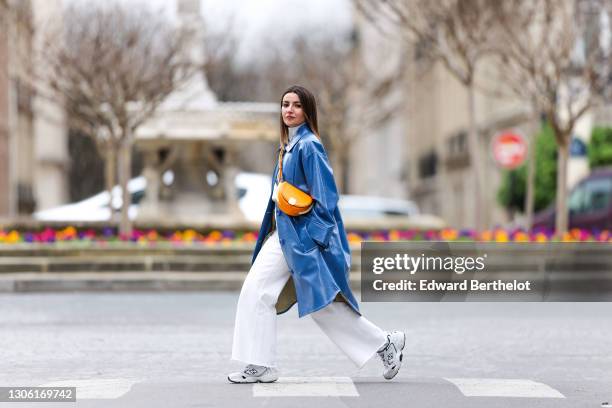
column 589, row 204
column 253, row 193
column 253, row 190
column 375, row 207
column 95, row 208
column 367, row 211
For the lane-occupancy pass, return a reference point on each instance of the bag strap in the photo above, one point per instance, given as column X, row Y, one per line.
column 279, row 176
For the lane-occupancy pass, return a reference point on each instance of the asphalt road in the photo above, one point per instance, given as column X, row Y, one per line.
column 173, row 349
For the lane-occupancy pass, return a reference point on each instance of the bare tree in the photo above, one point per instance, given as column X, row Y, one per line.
column 4, row 14
column 228, row 80
column 4, row 9
column 322, row 65
column 458, row 34
column 325, row 63
column 547, row 59
column 113, row 67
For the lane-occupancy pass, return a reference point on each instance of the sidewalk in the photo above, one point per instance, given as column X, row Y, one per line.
column 128, row 281
column 129, row 267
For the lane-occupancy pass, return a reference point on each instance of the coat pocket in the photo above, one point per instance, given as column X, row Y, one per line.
column 318, row 232
column 306, row 241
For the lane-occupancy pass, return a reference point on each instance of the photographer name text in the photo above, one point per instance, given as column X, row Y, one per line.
column 458, row 265
column 464, row 285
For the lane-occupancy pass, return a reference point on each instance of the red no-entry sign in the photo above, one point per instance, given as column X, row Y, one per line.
column 509, row 149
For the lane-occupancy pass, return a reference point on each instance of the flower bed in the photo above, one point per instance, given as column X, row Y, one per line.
column 227, row 237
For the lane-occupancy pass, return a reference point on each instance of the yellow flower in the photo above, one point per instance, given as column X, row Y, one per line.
column 501, row 236
column 449, row 234
column 352, row 237
column 541, row 237
column 70, row 231
column 12, row 237
column 189, row 235
column 394, row 235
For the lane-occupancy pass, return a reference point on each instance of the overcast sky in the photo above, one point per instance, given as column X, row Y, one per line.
column 257, row 22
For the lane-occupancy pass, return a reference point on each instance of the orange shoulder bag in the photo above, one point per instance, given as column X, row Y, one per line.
column 291, row 200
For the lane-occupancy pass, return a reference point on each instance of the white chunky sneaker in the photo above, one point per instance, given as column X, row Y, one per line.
column 254, row 373
column 391, row 353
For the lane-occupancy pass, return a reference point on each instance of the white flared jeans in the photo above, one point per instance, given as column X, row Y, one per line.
column 255, row 326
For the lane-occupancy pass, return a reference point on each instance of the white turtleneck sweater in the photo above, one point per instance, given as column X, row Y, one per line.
column 291, row 134
column 292, row 131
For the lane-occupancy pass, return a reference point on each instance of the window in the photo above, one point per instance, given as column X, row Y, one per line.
column 597, row 194
column 576, row 200
column 428, row 164
column 457, row 144
column 591, row 196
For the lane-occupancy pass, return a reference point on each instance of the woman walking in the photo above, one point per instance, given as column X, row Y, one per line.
column 302, row 255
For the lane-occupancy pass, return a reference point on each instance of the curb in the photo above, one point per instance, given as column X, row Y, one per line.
column 128, row 281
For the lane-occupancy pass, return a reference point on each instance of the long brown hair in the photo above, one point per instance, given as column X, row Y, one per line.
column 309, row 106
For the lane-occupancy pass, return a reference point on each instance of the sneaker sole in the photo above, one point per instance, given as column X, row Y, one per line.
column 398, row 366
column 251, row 382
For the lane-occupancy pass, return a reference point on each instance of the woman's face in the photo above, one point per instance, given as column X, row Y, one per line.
column 291, row 110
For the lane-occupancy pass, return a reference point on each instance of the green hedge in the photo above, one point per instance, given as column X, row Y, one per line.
column 513, row 189
column 600, row 147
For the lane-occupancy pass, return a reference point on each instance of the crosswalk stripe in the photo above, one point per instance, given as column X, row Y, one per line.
column 98, row 388
column 307, row 387
column 501, row 387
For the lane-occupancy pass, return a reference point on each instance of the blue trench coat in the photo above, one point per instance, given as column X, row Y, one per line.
column 314, row 244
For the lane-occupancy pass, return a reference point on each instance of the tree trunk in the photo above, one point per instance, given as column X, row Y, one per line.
column 344, row 168
column 125, row 174
column 561, row 215
column 480, row 213
column 110, row 176
column 338, row 166
column 530, row 196
column 228, row 178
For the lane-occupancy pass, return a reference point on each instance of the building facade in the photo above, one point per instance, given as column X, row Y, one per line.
column 33, row 151
column 427, row 132
column 378, row 163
